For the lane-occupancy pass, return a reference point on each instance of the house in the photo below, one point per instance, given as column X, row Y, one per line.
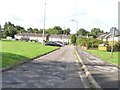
column 38, row 37
column 101, row 37
column 109, row 38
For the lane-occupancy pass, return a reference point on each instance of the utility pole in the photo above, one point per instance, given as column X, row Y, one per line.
column 64, row 36
column 44, row 23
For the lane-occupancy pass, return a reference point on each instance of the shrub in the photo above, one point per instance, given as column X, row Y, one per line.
column 73, row 39
column 89, row 42
column 117, row 47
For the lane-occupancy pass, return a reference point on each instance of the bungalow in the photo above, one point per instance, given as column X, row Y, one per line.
column 101, row 37
column 109, row 37
column 39, row 38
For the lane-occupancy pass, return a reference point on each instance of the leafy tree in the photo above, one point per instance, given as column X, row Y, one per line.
column 95, row 31
column 0, row 27
column 30, row 30
column 0, row 31
column 52, row 31
column 40, row 31
column 20, row 29
column 9, row 30
column 73, row 39
column 58, row 29
column 67, row 31
column 55, row 30
column 82, row 31
column 35, row 30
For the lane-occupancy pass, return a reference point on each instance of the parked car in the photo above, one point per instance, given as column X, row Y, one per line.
column 52, row 43
column 61, row 43
column 66, row 43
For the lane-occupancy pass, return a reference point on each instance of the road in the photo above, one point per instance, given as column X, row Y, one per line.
column 58, row 69
column 104, row 73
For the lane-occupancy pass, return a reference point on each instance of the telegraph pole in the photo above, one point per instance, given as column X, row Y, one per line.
column 44, row 23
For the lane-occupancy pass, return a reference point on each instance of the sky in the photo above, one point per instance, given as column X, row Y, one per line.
column 89, row 14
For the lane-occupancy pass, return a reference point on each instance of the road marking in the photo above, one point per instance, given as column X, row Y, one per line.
column 82, row 80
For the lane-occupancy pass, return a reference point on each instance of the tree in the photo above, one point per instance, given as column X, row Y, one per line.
column 55, row 30
column 41, row 31
column 30, row 30
column 35, row 30
column 9, row 30
column 95, row 31
column 82, row 31
column 20, row 29
column 67, row 31
column 0, row 31
column 73, row 39
column 58, row 29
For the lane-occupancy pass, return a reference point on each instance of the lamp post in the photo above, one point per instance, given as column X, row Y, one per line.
column 44, row 23
column 76, row 30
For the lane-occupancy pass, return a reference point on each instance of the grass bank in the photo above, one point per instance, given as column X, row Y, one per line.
column 15, row 51
column 106, row 56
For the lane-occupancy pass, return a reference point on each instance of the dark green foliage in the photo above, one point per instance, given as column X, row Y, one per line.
column 95, row 31
column 89, row 42
column 10, row 30
column 117, row 47
column 73, row 39
column 58, row 30
column 20, row 29
column 83, row 32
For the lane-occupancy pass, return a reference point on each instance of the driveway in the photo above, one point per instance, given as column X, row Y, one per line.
column 59, row 69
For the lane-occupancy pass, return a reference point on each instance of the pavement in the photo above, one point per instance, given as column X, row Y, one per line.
column 105, row 74
column 59, row 69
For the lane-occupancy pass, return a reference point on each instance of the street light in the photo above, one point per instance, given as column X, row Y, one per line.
column 76, row 30
column 44, row 23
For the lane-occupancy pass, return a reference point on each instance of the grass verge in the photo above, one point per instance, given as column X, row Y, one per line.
column 15, row 51
column 106, row 56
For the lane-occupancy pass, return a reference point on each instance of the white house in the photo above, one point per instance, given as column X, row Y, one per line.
column 39, row 38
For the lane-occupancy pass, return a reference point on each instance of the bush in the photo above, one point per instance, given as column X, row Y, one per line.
column 117, row 47
column 89, row 42
column 73, row 39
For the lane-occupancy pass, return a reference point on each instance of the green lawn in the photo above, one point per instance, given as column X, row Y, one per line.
column 15, row 51
column 106, row 56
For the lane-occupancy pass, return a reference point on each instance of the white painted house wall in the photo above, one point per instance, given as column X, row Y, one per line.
column 117, row 39
column 40, row 39
column 59, row 39
column 18, row 37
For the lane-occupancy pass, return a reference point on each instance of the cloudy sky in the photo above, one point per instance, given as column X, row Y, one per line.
column 101, row 14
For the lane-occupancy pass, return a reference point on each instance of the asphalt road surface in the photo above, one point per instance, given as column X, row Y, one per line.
column 106, row 74
column 58, row 69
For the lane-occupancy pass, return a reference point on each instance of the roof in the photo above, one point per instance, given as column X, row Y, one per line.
column 40, row 35
column 102, row 36
column 29, row 34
